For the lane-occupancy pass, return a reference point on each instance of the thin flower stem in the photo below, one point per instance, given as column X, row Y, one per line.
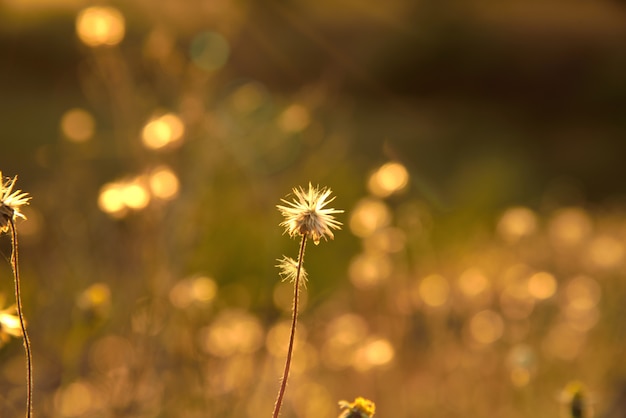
column 18, row 301
column 294, row 320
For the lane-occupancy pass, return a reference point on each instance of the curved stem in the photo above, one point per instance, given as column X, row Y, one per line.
column 294, row 320
column 18, row 302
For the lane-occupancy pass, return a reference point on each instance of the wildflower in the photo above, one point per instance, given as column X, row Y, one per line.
column 10, row 202
column 307, row 216
column 289, row 269
column 575, row 400
column 360, row 408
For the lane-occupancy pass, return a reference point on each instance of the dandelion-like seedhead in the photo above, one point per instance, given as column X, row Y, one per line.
column 360, row 408
column 289, row 269
column 307, row 215
column 10, row 202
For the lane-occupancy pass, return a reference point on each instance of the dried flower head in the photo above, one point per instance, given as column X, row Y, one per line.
column 307, row 216
column 289, row 269
column 360, row 408
column 10, row 202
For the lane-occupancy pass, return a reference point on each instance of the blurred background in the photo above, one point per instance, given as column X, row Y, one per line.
column 476, row 146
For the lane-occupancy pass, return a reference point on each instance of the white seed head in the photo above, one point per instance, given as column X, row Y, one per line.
column 306, row 215
column 10, row 202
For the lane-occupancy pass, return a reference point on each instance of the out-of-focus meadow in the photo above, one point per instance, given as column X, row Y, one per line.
column 477, row 148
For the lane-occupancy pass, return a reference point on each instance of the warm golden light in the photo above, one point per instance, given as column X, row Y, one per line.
column 100, row 26
column 163, row 131
column 135, row 196
column 368, row 270
column 233, row 331
column 486, row 327
column 294, row 119
column 570, row 226
column 386, row 240
column 368, row 216
column 388, row 179
column 583, row 293
column 74, row 400
column 77, row 125
column 163, row 183
column 542, row 285
column 110, row 199
column 96, row 297
column 606, row 252
column 472, row 282
column 374, row 353
column 434, row 290
column 201, row 290
column 516, row 223
column 116, row 198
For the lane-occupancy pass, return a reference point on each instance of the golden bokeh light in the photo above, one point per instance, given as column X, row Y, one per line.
column 517, row 223
column 542, row 285
column 96, row 297
column 390, row 178
column 386, row 240
column 343, row 335
column 368, row 216
column 563, row 342
column 369, row 270
column 163, row 183
column 313, row 400
column 163, row 131
column 199, row 290
column 606, row 252
column 135, row 195
column 77, row 125
column 486, row 327
column 434, row 290
column 74, row 400
column 516, row 302
column 232, row 332
column 473, row 282
column 522, row 364
column 294, row 119
column 583, row 293
column 116, row 198
column 375, row 352
column 570, row 226
column 110, row 199
column 100, row 26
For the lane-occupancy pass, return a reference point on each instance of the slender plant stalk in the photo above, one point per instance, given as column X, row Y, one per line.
column 18, row 301
column 294, row 320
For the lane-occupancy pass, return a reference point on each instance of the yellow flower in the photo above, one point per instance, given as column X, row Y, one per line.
column 289, row 269
column 10, row 202
column 360, row 408
column 307, row 216
column 575, row 401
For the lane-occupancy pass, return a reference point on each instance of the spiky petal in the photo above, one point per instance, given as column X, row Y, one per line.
column 10, row 202
column 307, row 215
column 289, row 269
